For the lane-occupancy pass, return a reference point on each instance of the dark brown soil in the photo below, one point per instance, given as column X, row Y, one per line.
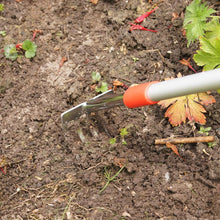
column 57, row 174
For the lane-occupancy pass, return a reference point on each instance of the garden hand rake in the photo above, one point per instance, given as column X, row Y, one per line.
column 147, row 93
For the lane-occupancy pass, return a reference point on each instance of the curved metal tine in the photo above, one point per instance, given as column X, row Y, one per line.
column 104, row 101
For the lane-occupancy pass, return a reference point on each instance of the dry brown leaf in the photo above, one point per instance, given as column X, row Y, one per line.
column 173, row 147
column 190, row 106
column 95, row 2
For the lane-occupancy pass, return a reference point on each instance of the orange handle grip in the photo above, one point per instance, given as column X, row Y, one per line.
column 137, row 96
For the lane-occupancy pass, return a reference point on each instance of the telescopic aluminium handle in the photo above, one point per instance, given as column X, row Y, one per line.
column 152, row 92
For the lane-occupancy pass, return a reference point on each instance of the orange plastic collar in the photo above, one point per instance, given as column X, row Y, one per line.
column 137, row 96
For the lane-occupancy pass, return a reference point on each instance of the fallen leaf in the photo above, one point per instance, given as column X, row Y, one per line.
column 119, row 162
column 95, row 2
column 174, row 15
column 187, row 63
column 190, row 106
column 173, row 147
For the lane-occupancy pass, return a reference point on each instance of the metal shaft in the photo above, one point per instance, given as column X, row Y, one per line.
column 199, row 82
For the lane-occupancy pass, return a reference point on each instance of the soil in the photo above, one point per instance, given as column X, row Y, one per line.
column 52, row 173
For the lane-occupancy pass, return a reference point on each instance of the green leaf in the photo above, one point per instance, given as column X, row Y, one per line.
column 123, row 132
column 3, row 33
column 10, row 52
column 103, row 88
column 30, row 48
column 195, row 20
column 213, row 28
column 203, row 130
column 1, row 7
column 124, row 142
column 112, row 141
column 212, row 144
column 96, row 77
column 209, row 53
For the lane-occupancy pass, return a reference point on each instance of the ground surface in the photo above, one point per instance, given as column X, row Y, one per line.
column 52, row 174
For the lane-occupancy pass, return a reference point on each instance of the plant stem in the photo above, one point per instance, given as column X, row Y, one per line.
column 65, row 210
column 109, row 179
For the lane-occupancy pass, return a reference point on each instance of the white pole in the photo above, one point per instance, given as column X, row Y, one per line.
column 198, row 82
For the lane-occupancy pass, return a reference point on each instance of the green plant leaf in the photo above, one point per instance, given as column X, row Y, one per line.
column 195, row 20
column 96, row 76
column 203, row 130
column 209, row 53
column 3, row 33
column 123, row 132
column 212, row 28
column 112, row 141
column 103, row 88
column 1, row 7
column 30, row 48
column 10, row 52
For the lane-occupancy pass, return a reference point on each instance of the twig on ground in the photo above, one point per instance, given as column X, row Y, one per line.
column 184, row 140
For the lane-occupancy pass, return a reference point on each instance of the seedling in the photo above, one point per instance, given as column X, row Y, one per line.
column 135, row 59
column 109, row 178
column 102, row 88
column 112, row 141
column 1, row 7
column 96, row 76
column 10, row 52
column 123, row 133
column 203, row 130
column 30, row 48
column 212, row 144
column 3, row 33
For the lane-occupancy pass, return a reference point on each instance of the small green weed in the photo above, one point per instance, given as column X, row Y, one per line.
column 203, row 130
column 96, row 76
column 30, row 48
column 10, row 52
column 135, row 59
column 212, row 144
column 123, row 133
column 109, row 178
column 112, row 141
column 1, row 7
column 102, row 88
column 3, row 33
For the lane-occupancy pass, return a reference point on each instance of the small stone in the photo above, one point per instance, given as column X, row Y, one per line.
column 133, row 193
column 126, row 214
column 180, row 197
